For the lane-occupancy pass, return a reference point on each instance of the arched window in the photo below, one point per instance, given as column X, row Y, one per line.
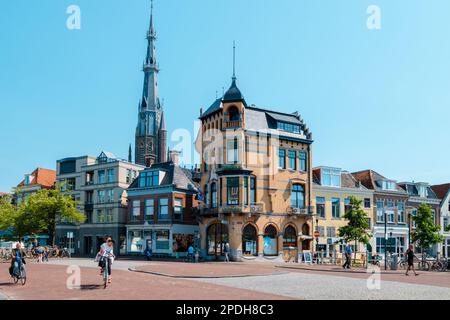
column 298, row 196
column 290, row 237
column 213, row 195
column 233, row 114
column 270, row 241
column 305, row 229
column 216, row 237
column 249, row 240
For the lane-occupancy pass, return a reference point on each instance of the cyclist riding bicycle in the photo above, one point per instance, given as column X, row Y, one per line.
column 107, row 257
column 17, row 259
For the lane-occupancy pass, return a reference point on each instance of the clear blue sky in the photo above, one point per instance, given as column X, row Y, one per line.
column 373, row 99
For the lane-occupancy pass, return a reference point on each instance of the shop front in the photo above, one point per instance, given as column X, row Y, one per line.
column 169, row 240
column 394, row 241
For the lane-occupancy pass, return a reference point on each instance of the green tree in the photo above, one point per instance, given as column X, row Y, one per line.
column 358, row 224
column 9, row 213
column 426, row 232
column 45, row 208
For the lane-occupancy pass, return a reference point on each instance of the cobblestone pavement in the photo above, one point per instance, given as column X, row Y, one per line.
column 48, row 282
column 318, row 286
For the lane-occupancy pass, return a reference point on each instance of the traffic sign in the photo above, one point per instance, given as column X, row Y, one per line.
column 316, row 234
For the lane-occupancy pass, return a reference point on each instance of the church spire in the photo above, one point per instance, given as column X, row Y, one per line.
column 151, row 69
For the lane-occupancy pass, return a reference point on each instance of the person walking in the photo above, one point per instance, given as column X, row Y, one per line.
column 175, row 249
column 410, row 256
column 148, row 253
column 190, row 253
column 226, row 251
column 348, row 256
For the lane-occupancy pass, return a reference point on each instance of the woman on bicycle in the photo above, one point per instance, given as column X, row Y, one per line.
column 107, row 255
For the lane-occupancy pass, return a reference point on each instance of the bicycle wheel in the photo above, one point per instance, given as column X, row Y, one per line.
column 16, row 279
column 23, row 277
column 105, row 274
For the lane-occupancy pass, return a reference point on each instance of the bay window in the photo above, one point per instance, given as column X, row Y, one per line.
column 233, row 191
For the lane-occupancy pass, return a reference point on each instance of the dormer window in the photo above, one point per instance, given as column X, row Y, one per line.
column 149, row 179
column 28, row 179
column 388, row 185
column 331, row 177
column 289, row 127
column 423, row 191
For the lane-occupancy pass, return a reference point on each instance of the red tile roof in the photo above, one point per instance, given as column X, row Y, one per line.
column 441, row 190
column 43, row 177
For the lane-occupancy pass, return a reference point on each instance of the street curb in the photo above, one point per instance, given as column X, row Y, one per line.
column 336, row 271
column 205, row 277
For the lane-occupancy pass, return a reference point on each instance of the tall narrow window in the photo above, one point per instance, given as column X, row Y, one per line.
column 136, row 210
column 233, row 191
column 336, row 207
column 178, row 209
column 253, row 190
column 149, row 209
column 347, row 206
column 282, row 159
column 110, row 175
column 246, row 190
column 163, row 208
column 213, row 195
column 401, row 212
column 298, row 196
column 320, row 207
column 291, row 159
column 101, row 176
column 206, row 194
column 380, row 211
column 302, row 161
column 232, row 150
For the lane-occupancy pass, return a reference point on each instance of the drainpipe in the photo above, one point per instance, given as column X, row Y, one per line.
column 309, row 190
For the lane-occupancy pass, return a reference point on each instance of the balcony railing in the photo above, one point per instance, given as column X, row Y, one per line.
column 305, row 211
column 233, row 124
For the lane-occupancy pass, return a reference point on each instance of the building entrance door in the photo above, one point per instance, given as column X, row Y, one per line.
column 217, row 236
column 88, row 249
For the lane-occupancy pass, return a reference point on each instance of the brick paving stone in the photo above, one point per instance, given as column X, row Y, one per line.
column 48, row 282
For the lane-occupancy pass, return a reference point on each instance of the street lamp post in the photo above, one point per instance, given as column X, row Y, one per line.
column 317, row 238
column 409, row 228
column 385, row 240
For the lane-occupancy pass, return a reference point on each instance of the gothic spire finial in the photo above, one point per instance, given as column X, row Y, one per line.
column 234, row 60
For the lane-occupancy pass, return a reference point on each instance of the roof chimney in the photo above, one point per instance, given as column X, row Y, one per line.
column 174, row 156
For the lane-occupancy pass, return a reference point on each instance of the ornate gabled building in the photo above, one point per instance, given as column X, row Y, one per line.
column 151, row 134
column 256, row 181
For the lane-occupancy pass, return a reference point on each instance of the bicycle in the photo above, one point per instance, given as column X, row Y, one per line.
column 21, row 275
column 106, row 266
column 423, row 263
column 65, row 253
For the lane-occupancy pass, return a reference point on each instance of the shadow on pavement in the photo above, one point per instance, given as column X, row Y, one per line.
column 6, row 284
column 91, row 287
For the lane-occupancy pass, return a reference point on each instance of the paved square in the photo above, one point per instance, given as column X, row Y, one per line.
column 142, row 280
